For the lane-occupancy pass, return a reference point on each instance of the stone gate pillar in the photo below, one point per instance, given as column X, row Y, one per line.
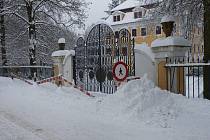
column 169, row 47
column 63, row 62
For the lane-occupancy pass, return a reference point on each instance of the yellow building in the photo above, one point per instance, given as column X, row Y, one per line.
column 137, row 17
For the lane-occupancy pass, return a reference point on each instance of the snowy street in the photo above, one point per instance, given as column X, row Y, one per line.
column 144, row 112
column 104, row 69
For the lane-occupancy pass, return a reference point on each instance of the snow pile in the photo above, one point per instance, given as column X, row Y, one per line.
column 137, row 110
column 146, row 49
column 140, row 100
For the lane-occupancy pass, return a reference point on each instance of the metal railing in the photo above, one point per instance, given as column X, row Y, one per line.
column 188, row 72
column 42, row 72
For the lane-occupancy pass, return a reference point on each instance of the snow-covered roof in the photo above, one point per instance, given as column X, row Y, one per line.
column 63, row 53
column 129, row 18
column 133, row 3
column 125, row 5
column 171, row 41
column 117, row 12
column 146, row 49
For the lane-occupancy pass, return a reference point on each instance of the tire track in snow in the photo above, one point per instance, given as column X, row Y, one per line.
column 29, row 127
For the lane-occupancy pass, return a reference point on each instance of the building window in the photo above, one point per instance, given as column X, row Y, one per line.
column 138, row 14
column 134, row 32
column 143, row 31
column 116, row 18
column 158, row 30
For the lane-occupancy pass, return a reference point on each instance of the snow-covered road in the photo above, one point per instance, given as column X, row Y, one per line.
column 137, row 111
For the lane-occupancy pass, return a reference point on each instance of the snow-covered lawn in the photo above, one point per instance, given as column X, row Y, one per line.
column 138, row 111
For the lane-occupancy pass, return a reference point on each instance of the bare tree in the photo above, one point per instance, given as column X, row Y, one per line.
column 36, row 15
column 113, row 4
column 189, row 12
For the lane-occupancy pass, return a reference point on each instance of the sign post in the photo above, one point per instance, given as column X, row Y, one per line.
column 120, row 72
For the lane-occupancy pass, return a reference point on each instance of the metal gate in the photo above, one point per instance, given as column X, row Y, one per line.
column 96, row 56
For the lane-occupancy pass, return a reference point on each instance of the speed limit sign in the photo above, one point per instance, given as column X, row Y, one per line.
column 120, row 71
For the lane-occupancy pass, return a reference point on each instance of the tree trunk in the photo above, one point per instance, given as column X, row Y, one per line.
column 32, row 38
column 2, row 37
column 206, row 48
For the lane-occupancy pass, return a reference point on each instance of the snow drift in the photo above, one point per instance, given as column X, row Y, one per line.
column 137, row 110
column 141, row 101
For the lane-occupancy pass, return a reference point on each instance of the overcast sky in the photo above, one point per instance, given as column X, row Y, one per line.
column 96, row 10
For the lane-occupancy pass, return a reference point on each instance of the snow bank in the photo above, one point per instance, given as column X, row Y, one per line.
column 146, row 49
column 140, row 100
column 137, row 110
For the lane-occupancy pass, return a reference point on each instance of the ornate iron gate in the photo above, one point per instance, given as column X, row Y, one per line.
column 96, row 56
column 80, row 57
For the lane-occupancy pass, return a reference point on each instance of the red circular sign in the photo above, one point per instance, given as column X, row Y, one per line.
column 120, row 71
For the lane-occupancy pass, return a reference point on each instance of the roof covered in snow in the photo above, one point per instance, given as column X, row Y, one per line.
column 133, row 3
column 171, row 41
column 63, row 53
column 127, row 4
column 128, row 16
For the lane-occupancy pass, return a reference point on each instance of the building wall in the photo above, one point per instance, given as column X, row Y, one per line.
column 144, row 65
column 150, row 29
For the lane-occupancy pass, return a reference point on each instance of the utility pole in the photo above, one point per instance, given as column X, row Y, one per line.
column 206, row 76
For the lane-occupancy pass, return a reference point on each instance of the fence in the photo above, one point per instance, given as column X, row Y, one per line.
column 43, row 72
column 185, row 75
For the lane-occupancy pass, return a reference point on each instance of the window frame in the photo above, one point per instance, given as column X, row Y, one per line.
column 134, row 32
column 145, row 31
column 116, row 18
column 156, row 31
column 138, row 14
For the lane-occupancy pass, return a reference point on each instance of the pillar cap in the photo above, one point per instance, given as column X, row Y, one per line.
column 61, row 41
column 167, row 18
column 171, row 41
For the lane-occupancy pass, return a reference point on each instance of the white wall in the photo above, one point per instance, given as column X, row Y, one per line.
column 144, row 64
column 68, row 68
